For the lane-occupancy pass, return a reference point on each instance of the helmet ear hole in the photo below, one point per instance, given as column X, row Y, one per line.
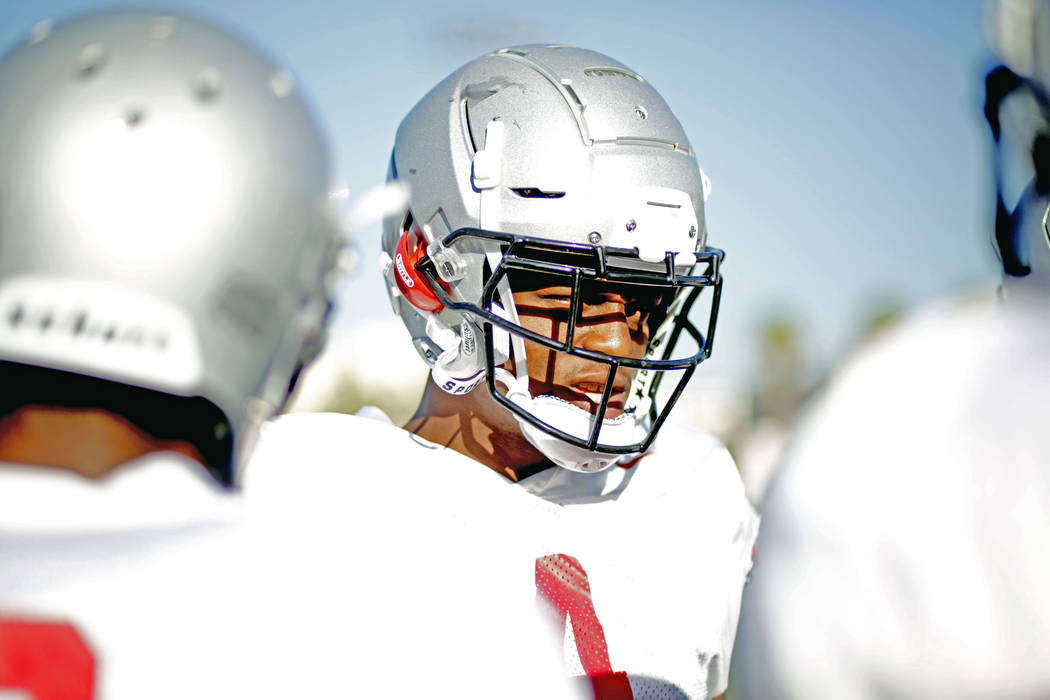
column 413, row 285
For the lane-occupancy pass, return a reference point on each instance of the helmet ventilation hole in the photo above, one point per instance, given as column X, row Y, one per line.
column 536, row 193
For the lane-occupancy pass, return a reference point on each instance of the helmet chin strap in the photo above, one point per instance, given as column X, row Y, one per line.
column 624, row 429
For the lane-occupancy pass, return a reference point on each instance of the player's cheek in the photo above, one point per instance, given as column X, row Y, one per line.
column 548, row 326
column 541, row 363
column 539, row 358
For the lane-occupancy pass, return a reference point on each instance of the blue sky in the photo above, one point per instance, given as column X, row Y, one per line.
column 843, row 138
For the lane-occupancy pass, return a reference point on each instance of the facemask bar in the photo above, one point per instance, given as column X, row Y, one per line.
column 655, row 363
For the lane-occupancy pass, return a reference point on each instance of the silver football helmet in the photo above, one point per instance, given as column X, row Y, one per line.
column 165, row 220
column 558, row 161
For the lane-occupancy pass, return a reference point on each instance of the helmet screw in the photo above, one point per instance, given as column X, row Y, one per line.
column 282, row 83
column 208, row 83
column 692, row 231
column 91, row 59
column 632, row 225
column 594, row 237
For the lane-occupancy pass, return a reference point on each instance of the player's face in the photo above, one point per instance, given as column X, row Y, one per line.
column 615, row 319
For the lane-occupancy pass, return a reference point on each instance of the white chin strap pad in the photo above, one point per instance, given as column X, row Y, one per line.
column 621, row 430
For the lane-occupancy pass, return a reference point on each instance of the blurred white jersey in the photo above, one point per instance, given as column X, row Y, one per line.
column 905, row 541
column 637, row 571
column 321, row 578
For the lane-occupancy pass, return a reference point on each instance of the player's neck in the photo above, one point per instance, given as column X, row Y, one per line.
column 91, row 442
column 477, row 427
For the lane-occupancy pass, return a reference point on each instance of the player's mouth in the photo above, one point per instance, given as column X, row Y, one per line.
column 587, row 394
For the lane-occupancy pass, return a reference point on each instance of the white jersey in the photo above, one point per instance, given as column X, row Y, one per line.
column 637, row 571
column 905, row 539
column 319, row 579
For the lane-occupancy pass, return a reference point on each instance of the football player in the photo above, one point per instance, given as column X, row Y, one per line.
column 552, row 249
column 904, row 537
column 166, row 247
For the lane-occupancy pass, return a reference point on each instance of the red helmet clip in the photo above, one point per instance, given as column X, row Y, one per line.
column 414, row 286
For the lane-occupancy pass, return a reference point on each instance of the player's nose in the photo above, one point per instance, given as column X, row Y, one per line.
column 604, row 328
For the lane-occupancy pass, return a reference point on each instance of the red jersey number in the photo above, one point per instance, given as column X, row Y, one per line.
column 48, row 660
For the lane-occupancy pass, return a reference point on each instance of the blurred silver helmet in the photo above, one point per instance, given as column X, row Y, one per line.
column 561, row 161
column 164, row 216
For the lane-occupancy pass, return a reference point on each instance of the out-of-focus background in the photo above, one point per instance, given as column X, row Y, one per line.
column 845, row 143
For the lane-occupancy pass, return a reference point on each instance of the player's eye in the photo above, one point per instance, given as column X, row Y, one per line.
column 644, row 300
column 649, row 307
column 536, row 281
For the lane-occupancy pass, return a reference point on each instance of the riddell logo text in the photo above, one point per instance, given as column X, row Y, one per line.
column 469, row 345
column 402, row 272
